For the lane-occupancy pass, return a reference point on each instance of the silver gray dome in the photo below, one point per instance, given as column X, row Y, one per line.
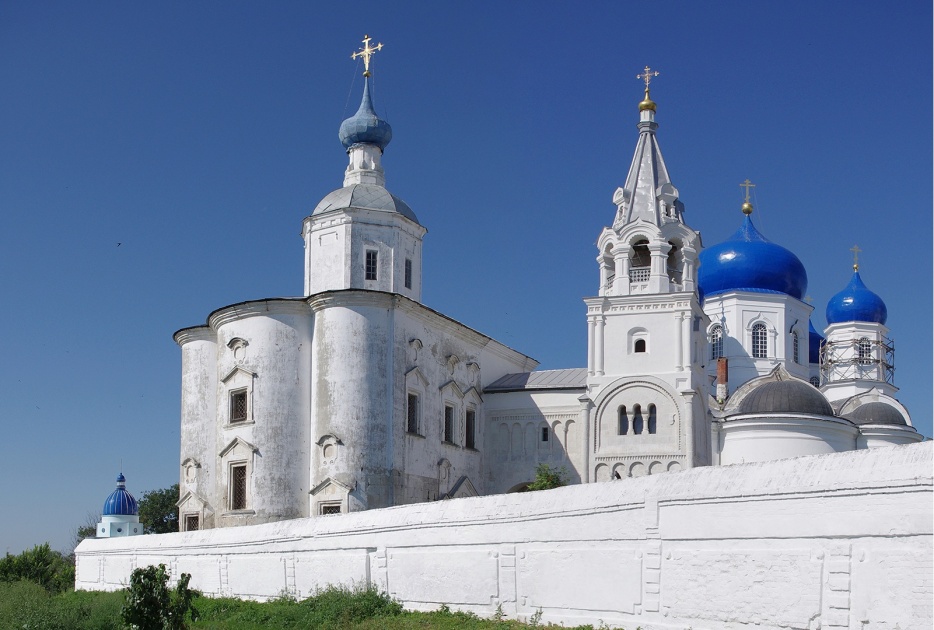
column 876, row 413
column 367, row 197
column 785, row 397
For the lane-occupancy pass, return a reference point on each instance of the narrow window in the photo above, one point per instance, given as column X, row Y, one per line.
column 794, row 346
column 716, row 342
column 412, row 414
column 759, row 341
column 471, row 426
column 371, row 264
column 545, row 434
column 652, row 420
column 238, row 406
column 238, row 487
column 449, row 424
column 637, row 419
column 326, row 509
column 640, row 345
column 864, row 351
column 191, row 522
column 623, row 421
column 815, row 381
column 408, row 273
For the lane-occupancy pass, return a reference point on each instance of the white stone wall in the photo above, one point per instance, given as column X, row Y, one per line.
column 828, row 541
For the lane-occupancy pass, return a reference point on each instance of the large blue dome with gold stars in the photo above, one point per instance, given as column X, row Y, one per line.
column 748, row 261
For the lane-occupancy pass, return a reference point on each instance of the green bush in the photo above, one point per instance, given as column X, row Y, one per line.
column 547, row 478
column 151, row 606
column 49, row 569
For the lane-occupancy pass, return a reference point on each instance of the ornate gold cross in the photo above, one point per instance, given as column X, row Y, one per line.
column 647, row 76
column 747, row 185
column 366, row 52
column 856, row 250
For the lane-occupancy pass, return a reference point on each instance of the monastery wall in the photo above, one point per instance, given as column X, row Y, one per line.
column 828, row 541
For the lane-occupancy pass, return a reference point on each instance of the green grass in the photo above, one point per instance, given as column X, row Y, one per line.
column 28, row 606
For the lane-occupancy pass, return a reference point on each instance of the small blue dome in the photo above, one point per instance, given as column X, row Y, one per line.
column 365, row 127
column 856, row 303
column 815, row 341
column 748, row 261
column 120, row 502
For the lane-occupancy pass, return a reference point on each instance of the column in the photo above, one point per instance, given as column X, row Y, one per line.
column 598, row 346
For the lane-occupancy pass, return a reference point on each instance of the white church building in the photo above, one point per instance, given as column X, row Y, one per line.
column 357, row 395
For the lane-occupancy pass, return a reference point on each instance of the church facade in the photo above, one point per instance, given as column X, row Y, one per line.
column 357, row 396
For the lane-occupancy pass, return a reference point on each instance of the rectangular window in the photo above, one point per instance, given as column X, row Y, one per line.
column 329, row 508
column 238, row 487
column 449, row 424
column 408, row 273
column 238, row 406
column 544, row 434
column 470, row 440
column 191, row 522
column 412, row 413
column 371, row 264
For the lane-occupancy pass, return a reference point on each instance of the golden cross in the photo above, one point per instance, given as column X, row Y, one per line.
column 366, row 52
column 647, row 76
column 747, row 185
column 856, row 250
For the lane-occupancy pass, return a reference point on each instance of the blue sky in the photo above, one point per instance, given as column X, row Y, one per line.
column 199, row 135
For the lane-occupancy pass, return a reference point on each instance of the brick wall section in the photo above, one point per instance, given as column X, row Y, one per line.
column 829, row 541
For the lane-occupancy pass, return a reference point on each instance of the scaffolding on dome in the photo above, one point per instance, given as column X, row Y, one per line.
column 858, row 359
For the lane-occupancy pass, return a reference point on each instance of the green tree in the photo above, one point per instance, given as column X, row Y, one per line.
column 49, row 569
column 547, row 478
column 150, row 605
column 157, row 511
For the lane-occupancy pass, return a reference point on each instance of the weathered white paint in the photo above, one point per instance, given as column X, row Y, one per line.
column 829, row 541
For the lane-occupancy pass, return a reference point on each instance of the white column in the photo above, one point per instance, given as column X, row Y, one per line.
column 679, row 342
column 586, row 426
column 598, row 346
column 590, row 341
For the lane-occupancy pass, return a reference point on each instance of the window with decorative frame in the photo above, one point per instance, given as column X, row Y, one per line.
column 238, row 406
column 413, row 413
column 192, row 522
column 760, row 341
column 470, row 429
column 448, row 434
column 716, row 342
column 330, row 507
column 238, row 479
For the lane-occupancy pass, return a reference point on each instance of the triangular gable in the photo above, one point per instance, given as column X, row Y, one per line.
column 453, row 386
column 475, row 393
column 463, row 488
column 417, row 373
column 234, row 443
column 330, row 482
column 190, row 496
column 234, row 371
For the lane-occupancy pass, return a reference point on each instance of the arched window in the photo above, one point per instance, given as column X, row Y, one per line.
column 637, row 419
column 623, row 421
column 652, row 420
column 639, row 345
column 760, row 341
column 864, row 351
column 641, row 257
column 716, row 342
column 815, row 381
column 794, row 346
column 674, row 263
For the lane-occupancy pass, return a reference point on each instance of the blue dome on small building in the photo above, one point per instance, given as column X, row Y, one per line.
column 856, row 303
column 120, row 502
column 748, row 261
column 365, row 127
column 815, row 341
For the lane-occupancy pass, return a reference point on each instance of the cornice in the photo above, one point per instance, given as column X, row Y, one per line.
column 194, row 333
column 254, row 308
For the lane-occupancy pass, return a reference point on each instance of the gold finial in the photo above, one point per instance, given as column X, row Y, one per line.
column 747, row 205
column 856, row 250
column 366, row 52
column 808, row 299
column 646, row 76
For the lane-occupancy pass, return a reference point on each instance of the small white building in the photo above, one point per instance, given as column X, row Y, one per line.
column 358, row 396
column 120, row 514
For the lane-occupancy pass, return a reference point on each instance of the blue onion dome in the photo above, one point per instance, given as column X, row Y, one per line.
column 365, row 127
column 120, row 502
column 856, row 303
column 815, row 341
column 748, row 261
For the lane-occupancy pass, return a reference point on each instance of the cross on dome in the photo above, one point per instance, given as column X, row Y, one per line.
column 747, row 205
column 647, row 75
column 366, row 52
column 856, row 250
column 647, row 104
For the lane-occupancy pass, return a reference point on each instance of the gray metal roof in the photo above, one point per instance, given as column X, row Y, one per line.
column 366, row 196
column 786, row 397
column 573, row 378
column 876, row 413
